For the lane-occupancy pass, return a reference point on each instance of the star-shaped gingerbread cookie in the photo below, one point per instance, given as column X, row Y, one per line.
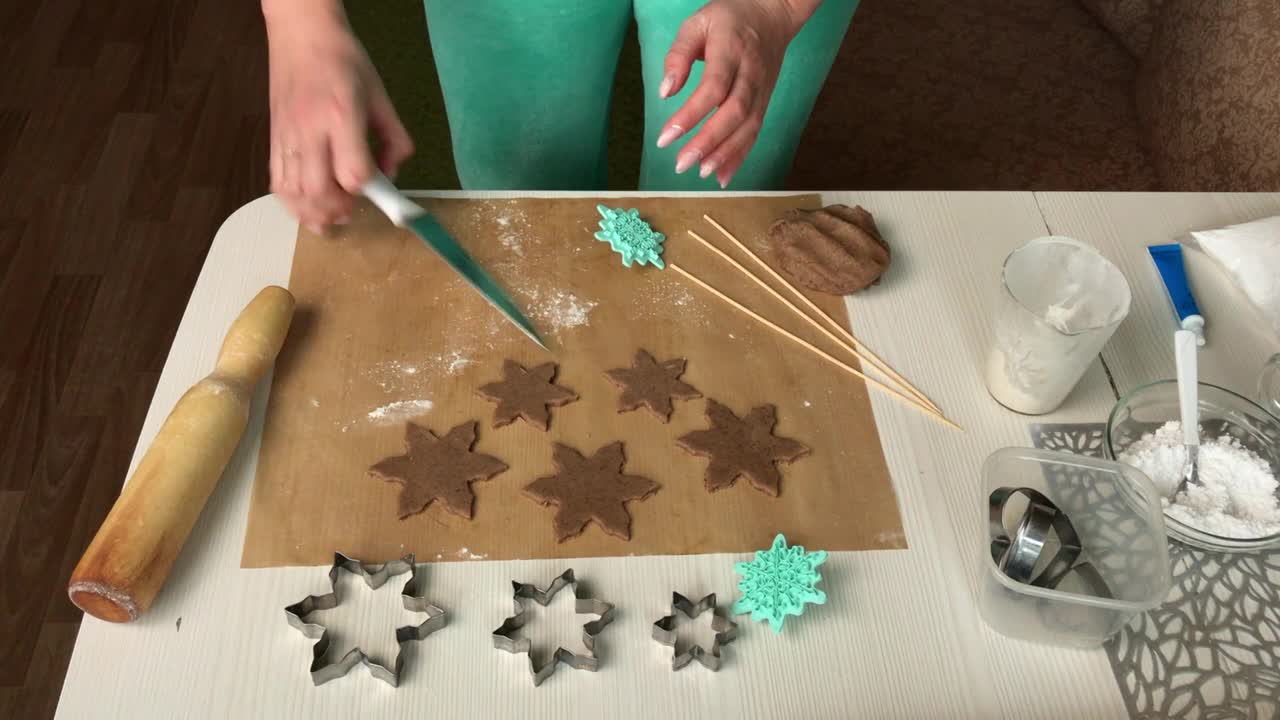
column 589, row 489
column 527, row 393
column 652, row 384
column 742, row 447
column 438, row 468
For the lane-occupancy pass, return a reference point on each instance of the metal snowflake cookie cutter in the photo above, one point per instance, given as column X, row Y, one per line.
column 503, row 637
column 374, row 575
column 726, row 631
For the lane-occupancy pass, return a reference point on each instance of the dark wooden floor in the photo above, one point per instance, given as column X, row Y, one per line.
column 128, row 131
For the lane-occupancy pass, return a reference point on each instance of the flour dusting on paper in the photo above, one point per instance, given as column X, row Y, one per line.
column 392, row 375
column 552, row 309
column 562, row 309
column 511, row 225
column 896, row 537
column 415, row 377
column 454, row 362
column 668, row 296
column 399, row 411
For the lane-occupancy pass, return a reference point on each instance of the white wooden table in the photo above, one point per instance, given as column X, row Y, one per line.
column 900, row 635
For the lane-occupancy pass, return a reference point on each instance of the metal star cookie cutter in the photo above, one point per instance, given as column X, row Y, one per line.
column 503, row 637
column 726, row 631
column 374, row 575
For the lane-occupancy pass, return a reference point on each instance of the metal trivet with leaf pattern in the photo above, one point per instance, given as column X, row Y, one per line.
column 1212, row 650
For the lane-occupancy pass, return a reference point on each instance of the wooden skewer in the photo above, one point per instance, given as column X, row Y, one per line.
column 805, row 316
column 814, row 349
column 871, row 357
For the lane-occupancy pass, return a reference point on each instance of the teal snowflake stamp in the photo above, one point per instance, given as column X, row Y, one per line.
column 779, row 582
column 630, row 237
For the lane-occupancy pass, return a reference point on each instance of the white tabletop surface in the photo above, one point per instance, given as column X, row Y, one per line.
column 900, row 635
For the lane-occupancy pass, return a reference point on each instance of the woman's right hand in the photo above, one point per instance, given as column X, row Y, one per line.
column 325, row 99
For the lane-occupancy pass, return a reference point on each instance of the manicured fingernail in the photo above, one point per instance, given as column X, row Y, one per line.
column 344, row 220
column 665, row 88
column 686, row 160
column 708, row 167
column 314, row 229
column 724, row 181
column 671, row 133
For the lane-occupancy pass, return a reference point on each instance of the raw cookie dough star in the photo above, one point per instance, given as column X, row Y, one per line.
column 589, row 489
column 742, row 446
column 651, row 384
column 526, row 393
column 435, row 468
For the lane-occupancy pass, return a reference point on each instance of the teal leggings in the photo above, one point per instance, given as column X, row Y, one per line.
column 527, row 85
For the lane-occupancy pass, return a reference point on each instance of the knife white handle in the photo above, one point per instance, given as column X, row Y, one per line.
column 383, row 193
column 1184, row 353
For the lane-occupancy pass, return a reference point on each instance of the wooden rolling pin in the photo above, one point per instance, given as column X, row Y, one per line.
column 130, row 557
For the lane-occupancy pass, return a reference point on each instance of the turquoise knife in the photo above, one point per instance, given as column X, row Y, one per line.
column 406, row 214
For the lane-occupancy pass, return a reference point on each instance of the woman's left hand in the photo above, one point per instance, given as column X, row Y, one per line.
column 742, row 43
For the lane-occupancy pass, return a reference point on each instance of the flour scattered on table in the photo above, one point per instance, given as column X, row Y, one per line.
column 1236, row 495
column 399, row 411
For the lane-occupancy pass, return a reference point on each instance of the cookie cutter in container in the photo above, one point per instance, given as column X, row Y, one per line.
column 1020, row 554
column 1119, row 529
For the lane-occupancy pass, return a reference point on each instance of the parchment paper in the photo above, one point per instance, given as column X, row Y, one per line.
column 385, row 332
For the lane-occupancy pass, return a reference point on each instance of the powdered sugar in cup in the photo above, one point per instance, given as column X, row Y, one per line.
column 1060, row 301
column 1236, row 506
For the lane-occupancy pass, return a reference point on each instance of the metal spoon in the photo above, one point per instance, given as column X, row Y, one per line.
column 1184, row 348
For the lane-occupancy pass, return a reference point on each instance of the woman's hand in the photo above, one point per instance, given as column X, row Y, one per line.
column 325, row 98
column 743, row 43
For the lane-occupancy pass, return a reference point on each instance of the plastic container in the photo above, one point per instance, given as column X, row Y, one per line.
column 1116, row 511
column 1060, row 300
column 1222, row 412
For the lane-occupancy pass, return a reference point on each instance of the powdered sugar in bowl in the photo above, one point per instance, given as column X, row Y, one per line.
column 1238, row 507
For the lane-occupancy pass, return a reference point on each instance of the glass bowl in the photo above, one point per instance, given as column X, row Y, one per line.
column 1222, row 412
